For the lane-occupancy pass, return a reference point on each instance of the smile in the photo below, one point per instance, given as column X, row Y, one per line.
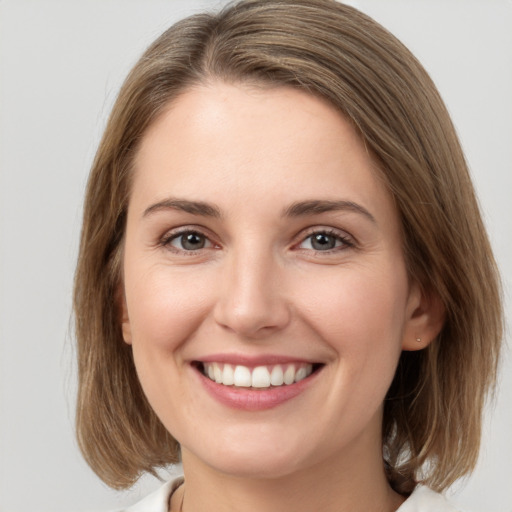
column 259, row 377
column 255, row 385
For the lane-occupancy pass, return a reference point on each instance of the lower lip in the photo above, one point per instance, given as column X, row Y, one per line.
column 249, row 399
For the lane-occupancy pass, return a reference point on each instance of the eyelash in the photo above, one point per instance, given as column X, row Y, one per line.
column 346, row 242
column 168, row 238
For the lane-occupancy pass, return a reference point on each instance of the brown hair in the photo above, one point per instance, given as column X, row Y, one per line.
column 433, row 411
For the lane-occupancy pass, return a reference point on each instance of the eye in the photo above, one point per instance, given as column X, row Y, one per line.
column 324, row 241
column 188, row 241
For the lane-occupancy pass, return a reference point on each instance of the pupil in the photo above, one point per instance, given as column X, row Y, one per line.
column 192, row 241
column 323, row 242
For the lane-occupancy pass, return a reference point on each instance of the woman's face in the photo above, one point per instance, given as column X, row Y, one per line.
column 266, row 296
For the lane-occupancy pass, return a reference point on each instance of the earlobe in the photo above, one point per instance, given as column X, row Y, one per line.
column 425, row 317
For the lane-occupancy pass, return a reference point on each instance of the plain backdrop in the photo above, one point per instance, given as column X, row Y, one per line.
column 61, row 65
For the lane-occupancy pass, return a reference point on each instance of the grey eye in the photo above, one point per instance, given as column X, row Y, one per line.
column 190, row 241
column 323, row 242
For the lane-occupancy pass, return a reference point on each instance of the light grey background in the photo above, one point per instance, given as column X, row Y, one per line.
column 61, row 64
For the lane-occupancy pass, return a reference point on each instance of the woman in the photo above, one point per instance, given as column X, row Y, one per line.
column 284, row 280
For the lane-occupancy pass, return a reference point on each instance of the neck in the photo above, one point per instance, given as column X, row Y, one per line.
column 350, row 483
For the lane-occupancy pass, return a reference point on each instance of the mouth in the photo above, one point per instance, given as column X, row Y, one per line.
column 262, row 377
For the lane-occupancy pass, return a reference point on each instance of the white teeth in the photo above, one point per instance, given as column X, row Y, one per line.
column 228, row 377
column 303, row 372
column 289, row 375
column 276, row 377
column 259, row 377
column 217, row 373
column 242, row 377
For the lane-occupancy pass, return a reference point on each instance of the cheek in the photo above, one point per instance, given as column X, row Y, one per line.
column 361, row 316
column 356, row 302
column 165, row 310
column 164, row 307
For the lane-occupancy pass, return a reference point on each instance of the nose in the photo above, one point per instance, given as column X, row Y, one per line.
column 251, row 300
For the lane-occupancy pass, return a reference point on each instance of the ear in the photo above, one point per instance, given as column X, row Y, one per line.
column 425, row 316
column 125, row 319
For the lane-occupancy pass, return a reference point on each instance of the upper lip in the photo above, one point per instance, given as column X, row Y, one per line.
column 254, row 360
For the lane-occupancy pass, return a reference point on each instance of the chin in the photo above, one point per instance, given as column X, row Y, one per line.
column 256, row 459
column 258, row 467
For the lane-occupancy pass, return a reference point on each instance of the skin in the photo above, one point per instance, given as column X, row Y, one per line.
column 259, row 286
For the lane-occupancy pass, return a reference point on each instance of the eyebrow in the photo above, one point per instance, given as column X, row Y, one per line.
column 298, row 209
column 193, row 207
column 313, row 207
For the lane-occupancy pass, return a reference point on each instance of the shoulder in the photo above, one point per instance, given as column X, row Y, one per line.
column 424, row 499
column 157, row 501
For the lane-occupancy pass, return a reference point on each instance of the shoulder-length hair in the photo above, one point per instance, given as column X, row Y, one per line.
column 433, row 410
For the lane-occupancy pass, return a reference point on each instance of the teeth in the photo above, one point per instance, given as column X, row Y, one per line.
column 276, row 377
column 259, row 377
column 289, row 375
column 217, row 374
column 228, row 375
column 300, row 374
column 242, row 377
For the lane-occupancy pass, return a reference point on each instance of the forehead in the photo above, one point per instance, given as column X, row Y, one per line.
column 254, row 142
column 244, row 117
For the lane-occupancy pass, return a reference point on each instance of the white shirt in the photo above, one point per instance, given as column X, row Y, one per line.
column 422, row 499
